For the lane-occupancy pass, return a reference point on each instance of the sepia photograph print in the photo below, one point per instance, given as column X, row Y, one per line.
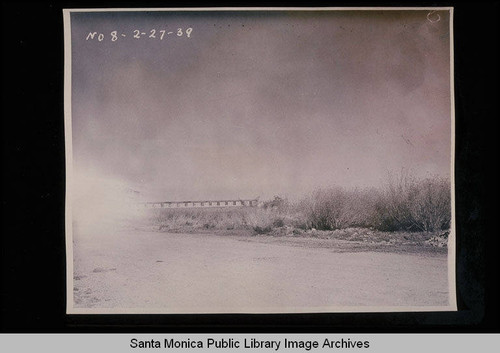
column 259, row 160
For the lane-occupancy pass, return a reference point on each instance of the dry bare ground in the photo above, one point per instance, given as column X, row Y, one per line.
column 233, row 272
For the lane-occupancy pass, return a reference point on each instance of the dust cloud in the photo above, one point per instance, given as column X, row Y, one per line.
column 103, row 205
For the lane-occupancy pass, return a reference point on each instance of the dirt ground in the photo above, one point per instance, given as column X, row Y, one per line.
column 152, row 271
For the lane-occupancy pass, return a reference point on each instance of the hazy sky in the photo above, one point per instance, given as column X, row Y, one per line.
column 259, row 103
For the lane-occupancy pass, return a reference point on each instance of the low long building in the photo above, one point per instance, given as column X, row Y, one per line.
column 200, row 204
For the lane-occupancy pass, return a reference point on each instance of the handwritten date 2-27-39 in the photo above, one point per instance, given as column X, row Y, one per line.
column 159, row 34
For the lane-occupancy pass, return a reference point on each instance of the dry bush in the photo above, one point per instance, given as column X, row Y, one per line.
column 404, row 203
column 407, row 203
column 392, row 210
column 431, row 207
column 336, row 208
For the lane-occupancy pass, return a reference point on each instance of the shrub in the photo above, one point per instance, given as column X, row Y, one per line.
column 407, row 203
column 334, row 208
column 431, row 207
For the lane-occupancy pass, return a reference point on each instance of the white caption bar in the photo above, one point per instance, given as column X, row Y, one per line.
column 407, row 343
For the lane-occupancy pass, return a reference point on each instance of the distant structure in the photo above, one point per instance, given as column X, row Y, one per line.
column 200, row 204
